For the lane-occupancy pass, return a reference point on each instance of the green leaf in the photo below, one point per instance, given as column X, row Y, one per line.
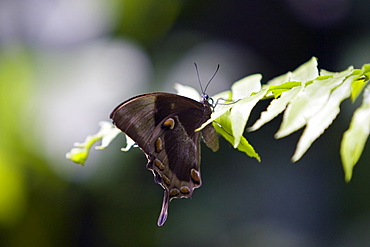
column 354, row 139
column 80, row 153
column 361, row 82
column 278, row 90
column 338, row 89
column 226, row 131
column 240, row 113
column 129, row 143
column 231, row 118
column 276, row 107
column 250, row 89
column 308, row 102
column 246, row 86
column 240, row 89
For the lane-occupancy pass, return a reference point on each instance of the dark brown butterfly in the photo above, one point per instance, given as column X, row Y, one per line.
column 163, row 125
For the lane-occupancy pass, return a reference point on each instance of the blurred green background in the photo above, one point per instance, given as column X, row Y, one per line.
column 65, row 64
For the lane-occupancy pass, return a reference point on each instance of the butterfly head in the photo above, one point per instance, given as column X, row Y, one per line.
column 205, row 99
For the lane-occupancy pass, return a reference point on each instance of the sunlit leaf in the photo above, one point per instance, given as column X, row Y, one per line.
column 240, row 113
column 226, row 131
column 339, row 89
column 80, row 153
column 276, row 107
column 278, row 90
column 129, row 144
column 360, row 83
column 232, row 117
column 324, row 72
column 355, row 137
column 246, row 86
column 307, row 103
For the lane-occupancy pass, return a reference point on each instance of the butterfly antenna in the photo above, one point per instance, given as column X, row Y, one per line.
column 200, row 84
column 214, row 74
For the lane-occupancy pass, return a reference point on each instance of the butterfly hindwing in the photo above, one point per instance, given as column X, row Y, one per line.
column 175, row 162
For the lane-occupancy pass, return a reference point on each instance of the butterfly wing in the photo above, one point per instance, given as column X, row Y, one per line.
column 163, row 125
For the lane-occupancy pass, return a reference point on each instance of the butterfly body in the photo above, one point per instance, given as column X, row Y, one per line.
column 163, row 125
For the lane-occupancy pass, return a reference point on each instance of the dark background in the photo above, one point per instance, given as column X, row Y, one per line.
column 64, row 65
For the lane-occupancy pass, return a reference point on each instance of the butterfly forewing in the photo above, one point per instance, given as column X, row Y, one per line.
column 138, row 116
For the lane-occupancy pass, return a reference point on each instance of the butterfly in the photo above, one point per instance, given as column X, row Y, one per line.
column 163, row 125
